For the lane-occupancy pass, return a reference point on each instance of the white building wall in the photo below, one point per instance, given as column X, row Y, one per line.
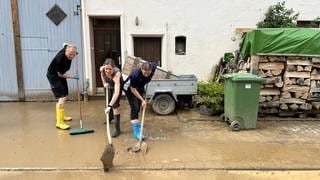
column 209, row 26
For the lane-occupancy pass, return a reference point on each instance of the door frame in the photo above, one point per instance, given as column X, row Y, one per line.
column 107, row 30
column 88, row 52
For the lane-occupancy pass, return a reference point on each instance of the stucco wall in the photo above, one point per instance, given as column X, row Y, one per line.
column 209, row 26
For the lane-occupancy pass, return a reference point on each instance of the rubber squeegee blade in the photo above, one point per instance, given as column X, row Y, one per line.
column 81, row 131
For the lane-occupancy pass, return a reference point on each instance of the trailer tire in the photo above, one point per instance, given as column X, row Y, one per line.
column 163, row 104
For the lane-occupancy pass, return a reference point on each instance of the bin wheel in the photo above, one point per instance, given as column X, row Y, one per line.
column 235, row 125
column 163, row 104
column 222, row 117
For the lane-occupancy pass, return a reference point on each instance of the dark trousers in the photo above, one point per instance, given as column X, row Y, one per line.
column 134, row 103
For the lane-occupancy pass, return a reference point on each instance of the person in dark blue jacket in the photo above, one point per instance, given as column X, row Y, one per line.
column 134, row 89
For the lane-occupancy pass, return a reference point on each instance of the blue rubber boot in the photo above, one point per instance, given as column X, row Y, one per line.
column 136, row 130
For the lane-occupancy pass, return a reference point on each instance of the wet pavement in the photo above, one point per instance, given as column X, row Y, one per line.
column 184, row 145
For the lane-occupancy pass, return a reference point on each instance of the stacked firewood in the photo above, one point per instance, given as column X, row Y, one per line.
column 314, row 95
column 292, row 85
column 296, row 87
column 271, row 68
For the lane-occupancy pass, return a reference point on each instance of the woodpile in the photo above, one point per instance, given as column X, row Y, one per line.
column 272, row 69
column 314, row 94
column 292, row 85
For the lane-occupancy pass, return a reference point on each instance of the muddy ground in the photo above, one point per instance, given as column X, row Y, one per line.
column 184, row 145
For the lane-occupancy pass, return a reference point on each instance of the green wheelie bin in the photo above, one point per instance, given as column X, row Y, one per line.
column 241, row 100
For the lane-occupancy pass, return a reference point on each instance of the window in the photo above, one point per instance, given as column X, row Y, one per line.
column 180, row 45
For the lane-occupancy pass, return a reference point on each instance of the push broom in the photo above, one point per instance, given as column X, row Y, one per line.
column 109, row 151
column 81, row 130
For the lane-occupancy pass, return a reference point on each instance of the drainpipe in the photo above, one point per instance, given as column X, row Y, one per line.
column 82, row 18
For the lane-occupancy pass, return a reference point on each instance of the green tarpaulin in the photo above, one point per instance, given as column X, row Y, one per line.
column 281, row 41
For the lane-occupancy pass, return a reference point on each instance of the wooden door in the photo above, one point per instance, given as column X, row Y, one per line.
column 148, row 48
column 106, row 43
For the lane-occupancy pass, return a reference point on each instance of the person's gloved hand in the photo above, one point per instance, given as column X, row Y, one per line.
column 107, row 109
column 76, row 76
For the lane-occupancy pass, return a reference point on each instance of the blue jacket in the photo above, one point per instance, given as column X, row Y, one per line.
column 138, row 81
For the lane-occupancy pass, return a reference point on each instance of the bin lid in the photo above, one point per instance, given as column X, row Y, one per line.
column 244, row 77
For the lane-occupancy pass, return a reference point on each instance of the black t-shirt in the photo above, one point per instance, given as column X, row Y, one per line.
column 60, row 63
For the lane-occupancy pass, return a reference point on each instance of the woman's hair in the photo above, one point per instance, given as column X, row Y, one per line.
column 109, row 61
column 146, row 66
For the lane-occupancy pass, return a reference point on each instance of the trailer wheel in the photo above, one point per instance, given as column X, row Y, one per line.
column 163, row 104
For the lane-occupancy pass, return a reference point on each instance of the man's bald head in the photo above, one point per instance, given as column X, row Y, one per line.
column 71, row 51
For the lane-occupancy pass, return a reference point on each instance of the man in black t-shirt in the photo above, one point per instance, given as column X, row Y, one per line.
column 57, row 78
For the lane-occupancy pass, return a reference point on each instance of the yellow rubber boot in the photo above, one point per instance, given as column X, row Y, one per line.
column 67, row 118
column 59, row 116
